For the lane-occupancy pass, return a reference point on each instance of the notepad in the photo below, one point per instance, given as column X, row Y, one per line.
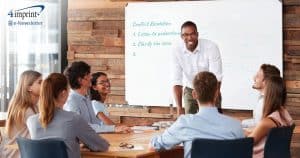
column 116, row 148
column 144, row 128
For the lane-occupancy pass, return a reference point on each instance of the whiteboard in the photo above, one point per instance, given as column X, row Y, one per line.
column 248, row 33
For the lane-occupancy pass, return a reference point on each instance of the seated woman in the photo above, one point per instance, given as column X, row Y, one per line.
column 21, row 106
column 54, row 122
column 99, row 91
column 274, row 114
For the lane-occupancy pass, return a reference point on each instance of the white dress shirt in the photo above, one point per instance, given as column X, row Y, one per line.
column 186, row 64
column 257, row 114
column 258, row 110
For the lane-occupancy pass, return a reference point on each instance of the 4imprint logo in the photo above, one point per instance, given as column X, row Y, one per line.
column 28, row 12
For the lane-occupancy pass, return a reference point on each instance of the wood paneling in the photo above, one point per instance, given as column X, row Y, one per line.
column 291, row 2
column 2, row 123
column 96, row 4
column 96, row 49
column 291, row 32
column 109, row 24
column 96, row 14
column 79, row 27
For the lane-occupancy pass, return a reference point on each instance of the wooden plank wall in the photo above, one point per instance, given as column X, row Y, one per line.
column 96, row 36
column 291, row 54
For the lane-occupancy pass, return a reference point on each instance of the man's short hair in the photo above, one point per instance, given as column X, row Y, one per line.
column 205, row 84
column 269, row 71
column 77, row 70
column 189, row 24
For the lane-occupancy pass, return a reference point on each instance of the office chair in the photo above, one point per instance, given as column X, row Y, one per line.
column 210, row 148
column 278, row 142
column 43, row 148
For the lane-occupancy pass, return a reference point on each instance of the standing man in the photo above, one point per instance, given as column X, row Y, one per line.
column 265, row 71
column 193, row 56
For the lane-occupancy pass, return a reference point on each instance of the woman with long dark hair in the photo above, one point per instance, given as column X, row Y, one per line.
column 274, row 113
column 99, row 92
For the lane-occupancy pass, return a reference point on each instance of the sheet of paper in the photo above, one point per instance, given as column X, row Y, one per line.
column 116, row 148
column 143, row 128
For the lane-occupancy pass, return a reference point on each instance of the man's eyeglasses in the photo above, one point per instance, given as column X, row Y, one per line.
column 126, row 145
column 185, row 35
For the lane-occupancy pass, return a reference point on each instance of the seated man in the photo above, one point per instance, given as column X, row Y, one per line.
column 78, row 101
column 207, row 123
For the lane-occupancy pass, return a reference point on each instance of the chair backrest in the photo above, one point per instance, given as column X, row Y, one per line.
column 278, row 142
column 210, row 148
column 43, row 148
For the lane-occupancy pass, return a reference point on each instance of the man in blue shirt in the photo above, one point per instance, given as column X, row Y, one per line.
column 207, row 123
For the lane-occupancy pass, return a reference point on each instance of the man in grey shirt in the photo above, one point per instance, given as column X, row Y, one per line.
column 78, row 101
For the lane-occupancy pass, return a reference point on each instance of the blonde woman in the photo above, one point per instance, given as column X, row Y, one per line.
column 274, row 114
column 54, row 122
column 21, row 106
